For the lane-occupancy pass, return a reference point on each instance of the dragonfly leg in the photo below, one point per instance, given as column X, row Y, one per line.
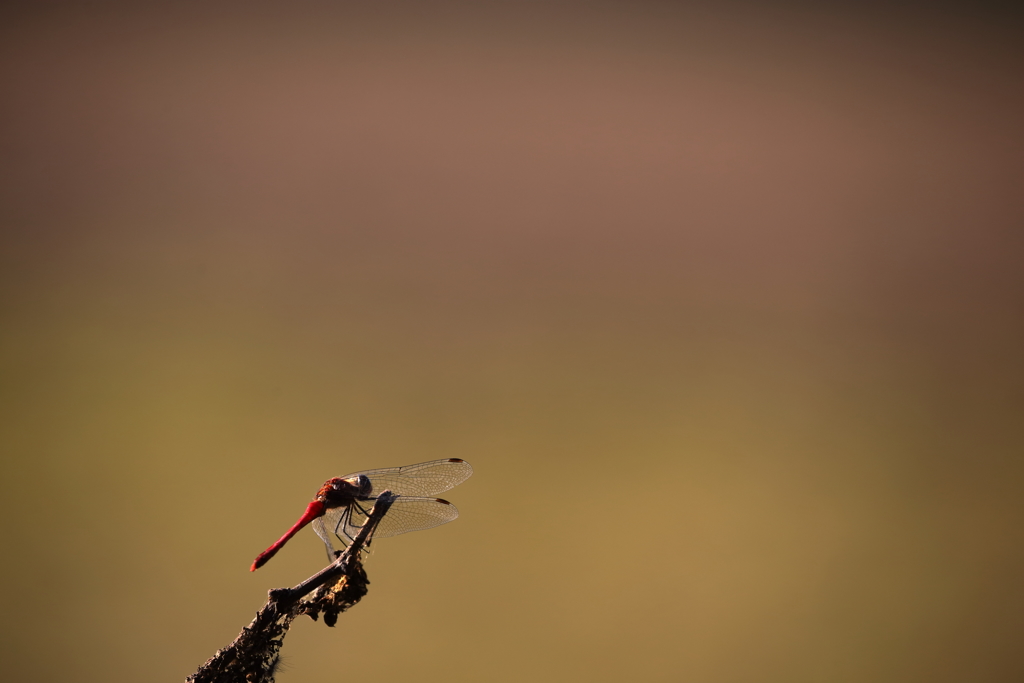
column 366, row 514
column 341, row 528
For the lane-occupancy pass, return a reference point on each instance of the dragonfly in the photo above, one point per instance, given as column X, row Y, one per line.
column 342, row 504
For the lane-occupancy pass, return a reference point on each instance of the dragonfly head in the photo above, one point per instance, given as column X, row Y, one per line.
column 361, row 484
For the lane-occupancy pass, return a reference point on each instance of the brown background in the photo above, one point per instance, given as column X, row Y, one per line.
column 723, row 303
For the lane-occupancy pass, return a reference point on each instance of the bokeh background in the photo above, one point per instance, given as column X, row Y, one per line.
column 724, row 303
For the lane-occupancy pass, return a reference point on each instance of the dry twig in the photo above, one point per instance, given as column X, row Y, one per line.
column 253, row 656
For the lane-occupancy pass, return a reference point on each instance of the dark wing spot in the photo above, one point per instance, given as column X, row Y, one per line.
column 442, row 500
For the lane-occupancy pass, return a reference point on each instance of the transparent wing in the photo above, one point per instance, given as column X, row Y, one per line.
column 406, row 514
column 320, row 526
column 411, row 514
column 422, row 479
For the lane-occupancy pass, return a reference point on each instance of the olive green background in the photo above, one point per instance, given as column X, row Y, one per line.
column 724, row 303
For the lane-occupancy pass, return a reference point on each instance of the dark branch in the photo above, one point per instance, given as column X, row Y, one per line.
column 253, row 656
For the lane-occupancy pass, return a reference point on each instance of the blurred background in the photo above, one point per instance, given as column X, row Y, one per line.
column 723, row 302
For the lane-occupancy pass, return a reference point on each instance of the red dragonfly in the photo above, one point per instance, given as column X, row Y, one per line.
column 343, row 503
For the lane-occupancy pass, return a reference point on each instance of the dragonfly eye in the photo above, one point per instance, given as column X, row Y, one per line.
column 362, row 482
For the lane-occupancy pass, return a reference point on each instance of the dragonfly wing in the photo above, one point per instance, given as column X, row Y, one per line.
column 320, row 526
column 406, row 514
column 409, row 513
column 422, row 479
